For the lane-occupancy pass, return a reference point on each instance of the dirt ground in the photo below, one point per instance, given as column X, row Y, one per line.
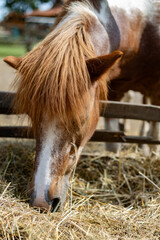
column 7, row 75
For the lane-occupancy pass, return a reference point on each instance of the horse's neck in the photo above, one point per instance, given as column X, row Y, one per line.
column 120, row 25
column 124, row 22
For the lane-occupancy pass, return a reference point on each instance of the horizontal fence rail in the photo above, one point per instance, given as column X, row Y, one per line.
column 6, row 102
column 98, row 136
column 113, row 110
column 131, row 111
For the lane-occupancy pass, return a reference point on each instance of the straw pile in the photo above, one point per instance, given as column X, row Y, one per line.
column 112, row 197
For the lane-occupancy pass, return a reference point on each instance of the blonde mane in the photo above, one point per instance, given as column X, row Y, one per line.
column 53, row 77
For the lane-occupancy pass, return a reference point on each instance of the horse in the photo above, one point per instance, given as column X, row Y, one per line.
column 142, row 72
column 62, row 80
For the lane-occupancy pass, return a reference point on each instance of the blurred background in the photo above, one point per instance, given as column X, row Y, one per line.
column 23, row 23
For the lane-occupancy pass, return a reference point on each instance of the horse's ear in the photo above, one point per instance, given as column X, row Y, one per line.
column 99, row 65
column 13, row 61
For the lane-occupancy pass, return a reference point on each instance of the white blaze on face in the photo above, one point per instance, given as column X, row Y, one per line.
column 48, row 156
column 45, row 158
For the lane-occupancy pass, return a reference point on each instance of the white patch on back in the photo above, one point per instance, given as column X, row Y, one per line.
column 129, row 5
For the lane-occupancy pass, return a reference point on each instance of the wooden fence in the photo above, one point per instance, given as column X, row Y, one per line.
column 113, row 110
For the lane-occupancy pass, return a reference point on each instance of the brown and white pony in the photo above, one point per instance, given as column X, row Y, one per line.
column 61, row 81
column 140, row 68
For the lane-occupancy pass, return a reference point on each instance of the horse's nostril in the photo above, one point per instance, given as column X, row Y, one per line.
column 55, row 205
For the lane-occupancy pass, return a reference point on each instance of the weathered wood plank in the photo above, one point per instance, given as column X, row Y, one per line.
column 131, row 111
column 113, row 109
column 16, row 132
column 105, row 136
column 99, row 136
column 6, row 102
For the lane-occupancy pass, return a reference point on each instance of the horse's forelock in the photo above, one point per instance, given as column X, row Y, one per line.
column 53, row 77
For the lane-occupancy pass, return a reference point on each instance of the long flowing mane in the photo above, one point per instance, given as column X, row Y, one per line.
column 53, row 79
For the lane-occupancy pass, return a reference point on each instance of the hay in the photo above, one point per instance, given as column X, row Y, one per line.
column 113, row 197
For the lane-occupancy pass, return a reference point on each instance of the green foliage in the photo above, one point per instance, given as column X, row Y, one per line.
column 24, row 5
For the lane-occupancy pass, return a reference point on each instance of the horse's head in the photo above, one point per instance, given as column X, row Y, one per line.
column 60, row 141
column 60, row 83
